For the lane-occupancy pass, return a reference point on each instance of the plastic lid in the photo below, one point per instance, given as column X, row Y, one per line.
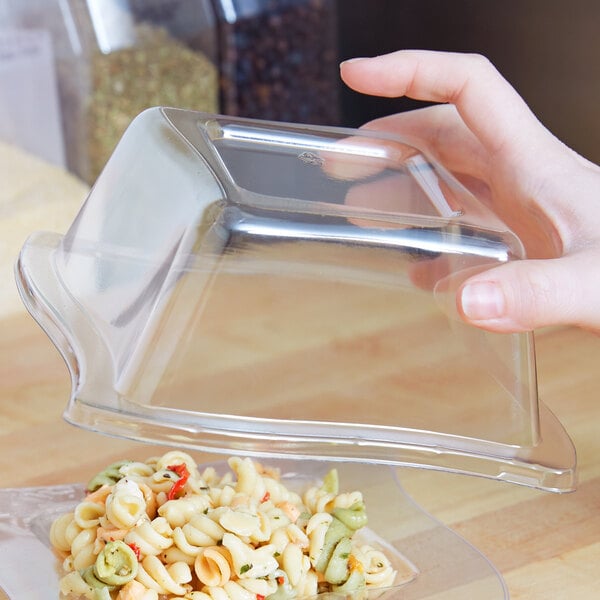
column 229, row 285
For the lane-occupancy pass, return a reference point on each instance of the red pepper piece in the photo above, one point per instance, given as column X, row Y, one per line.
column 184, row 475
column 136, row 550
column 265, row 497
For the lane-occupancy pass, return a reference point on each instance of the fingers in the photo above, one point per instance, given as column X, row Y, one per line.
column 442, row 132
column 533, row 179
column 489, row 106
column 357, row 157
column 524, row 295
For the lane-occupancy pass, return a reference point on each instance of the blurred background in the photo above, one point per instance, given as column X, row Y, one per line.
column 73, row 73
column 548, row 49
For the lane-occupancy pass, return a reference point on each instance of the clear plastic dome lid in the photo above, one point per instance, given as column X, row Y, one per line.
column 241, row 286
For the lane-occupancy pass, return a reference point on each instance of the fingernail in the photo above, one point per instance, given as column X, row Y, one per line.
column 482, row 301
column 353, row 60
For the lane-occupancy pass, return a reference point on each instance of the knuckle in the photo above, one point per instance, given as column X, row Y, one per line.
column 543, row 296
column 480, row 61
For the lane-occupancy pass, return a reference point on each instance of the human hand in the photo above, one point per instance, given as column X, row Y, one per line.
column 546, row 193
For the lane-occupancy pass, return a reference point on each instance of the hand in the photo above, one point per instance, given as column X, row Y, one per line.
column 546, row 193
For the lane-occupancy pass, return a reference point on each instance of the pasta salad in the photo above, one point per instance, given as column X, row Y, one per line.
column 161, row 529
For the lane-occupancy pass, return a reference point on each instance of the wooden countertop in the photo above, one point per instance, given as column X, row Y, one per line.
column 545, row 545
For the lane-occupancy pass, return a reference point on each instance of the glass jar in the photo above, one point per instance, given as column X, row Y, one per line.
column 278, row 59
column 115, row 58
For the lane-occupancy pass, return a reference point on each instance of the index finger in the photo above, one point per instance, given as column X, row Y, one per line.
column 487, row 103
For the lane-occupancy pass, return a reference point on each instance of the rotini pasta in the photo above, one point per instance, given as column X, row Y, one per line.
column 83, row 550
column 126, row 505
column 179, row 512
column 213, row 566
column 63, row 531
column 150, row 537
column 161, row 530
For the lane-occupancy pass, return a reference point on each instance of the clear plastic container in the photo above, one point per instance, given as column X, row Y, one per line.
column 207, row 295
column 287, row 292
column 114, row 58
column 432, row 561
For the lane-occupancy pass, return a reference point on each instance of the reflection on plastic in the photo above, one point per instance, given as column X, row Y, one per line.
column 219, row 291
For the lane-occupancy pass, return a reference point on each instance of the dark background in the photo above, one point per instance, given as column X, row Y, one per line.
column 548, row 49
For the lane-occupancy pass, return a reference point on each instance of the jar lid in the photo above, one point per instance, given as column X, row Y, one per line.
column 241, row 286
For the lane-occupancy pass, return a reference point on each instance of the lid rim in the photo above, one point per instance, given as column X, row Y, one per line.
column 526, row 468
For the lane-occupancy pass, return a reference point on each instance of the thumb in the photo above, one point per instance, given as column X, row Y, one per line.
column 524, row 295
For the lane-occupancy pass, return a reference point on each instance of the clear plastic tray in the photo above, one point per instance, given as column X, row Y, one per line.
column 282, row 290
column 444, row 565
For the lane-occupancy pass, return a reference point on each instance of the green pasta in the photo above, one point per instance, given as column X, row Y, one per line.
column 108, row 476
column 331, row 483
column 100, row 588
column 354, row 517
column 337, row 570
column 116, row 564
column 355, row 581
column 335, row 533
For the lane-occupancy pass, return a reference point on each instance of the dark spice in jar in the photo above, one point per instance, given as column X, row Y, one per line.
column 278, row 61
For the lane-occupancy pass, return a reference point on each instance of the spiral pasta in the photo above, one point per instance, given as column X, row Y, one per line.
column 212, row 566
column 161, row 529
column 164, row 579
column 83, row 550
column 63, row 531
column 126, row 505
column 200, row 532
column 151, row 537
column 181, row 511
column 87, row 514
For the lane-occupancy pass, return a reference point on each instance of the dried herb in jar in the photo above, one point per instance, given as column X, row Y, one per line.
column 157, row 71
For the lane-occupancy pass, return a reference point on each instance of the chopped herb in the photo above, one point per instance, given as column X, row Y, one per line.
column 245, row 569
column 276, row 554
column 345, row 555
column 143, row 75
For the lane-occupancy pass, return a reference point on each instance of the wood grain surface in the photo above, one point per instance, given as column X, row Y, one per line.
column 546, row 546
